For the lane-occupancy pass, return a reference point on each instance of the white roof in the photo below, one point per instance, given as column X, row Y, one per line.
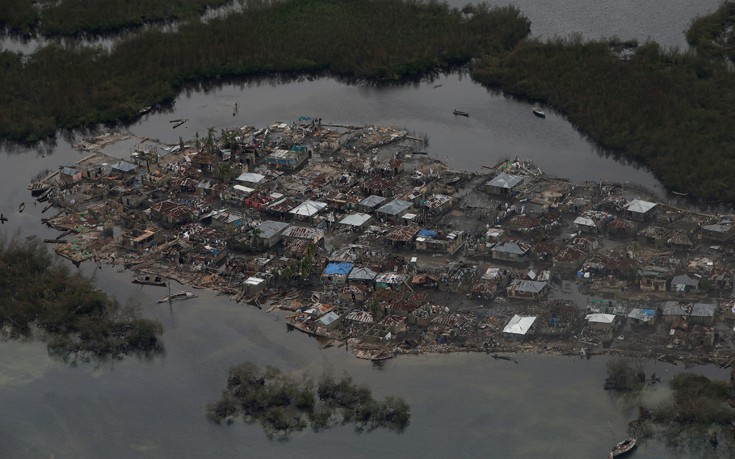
column 254, row 281
column 250, row 177
column 356, row 219
column 243, row 189
column 519, row 325
column 600, row 318
column 640, row 207
column 308, row 208
column 584, row 221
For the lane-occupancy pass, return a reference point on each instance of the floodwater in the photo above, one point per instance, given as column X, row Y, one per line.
column 463, row 405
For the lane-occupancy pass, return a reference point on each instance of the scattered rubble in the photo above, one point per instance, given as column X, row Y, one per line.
column 368, row 243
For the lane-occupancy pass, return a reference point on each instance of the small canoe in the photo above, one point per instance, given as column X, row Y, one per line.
column 538, row 112
column 623, row 447
column 159, row 281
column 180, row 296
column 460, row 113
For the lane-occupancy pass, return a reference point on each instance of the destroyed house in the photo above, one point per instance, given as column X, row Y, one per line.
column 171, row 213
column 527, row 289
column 236, row 194
column 393, row 281
column 140, row 240
column 282, row 207
column 653, row 278
column 401, row 235
column 380, row 186
column 523, row 223
column 640, row 316
column 289, row 160
column 394, row 210
column 511, row 250
column 301, row 232
column 432, row 241
column 437, row 204
column 269, row 233
column 654, row 235
column 721, row 232
column 203, row 161
column 503, row 184
column 229, row 221
column 569, row 258
column 621, row 227
column 336, row 273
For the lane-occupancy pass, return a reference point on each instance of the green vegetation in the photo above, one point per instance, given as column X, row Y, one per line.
column 713, row 36
column 75, row 87
column 38, row 293
column 76, row 17
column 670, row 110
column 283, row 405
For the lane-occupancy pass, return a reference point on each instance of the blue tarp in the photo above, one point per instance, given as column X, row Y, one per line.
column 338, row 269
column 428, row 233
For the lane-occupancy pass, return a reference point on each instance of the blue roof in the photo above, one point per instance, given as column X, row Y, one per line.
column 338, row 269
column 69, row 171
column 428, row 233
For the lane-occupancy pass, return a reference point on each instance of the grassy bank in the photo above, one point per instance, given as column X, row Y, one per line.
column 38, row 294
column 65, row 88
column 76, row 17
column 670, row 110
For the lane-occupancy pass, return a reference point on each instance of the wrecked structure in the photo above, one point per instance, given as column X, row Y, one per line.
column 369, row 244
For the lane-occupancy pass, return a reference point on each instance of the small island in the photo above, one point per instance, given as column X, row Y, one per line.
column 365, row 242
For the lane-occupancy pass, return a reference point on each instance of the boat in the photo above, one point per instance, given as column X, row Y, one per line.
column 150, row 280
column 38, row 188
column 180, row 296
column 460, row 113
column 538, row 112
column 623, row 447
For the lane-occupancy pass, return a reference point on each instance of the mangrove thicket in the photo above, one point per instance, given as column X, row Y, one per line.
column 66, row 87
column 670, row 110
column 284, row 404
column 41, row 296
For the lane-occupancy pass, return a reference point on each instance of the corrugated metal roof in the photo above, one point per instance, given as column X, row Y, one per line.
column 504, row 180
column 395, row 207
column 639, row 206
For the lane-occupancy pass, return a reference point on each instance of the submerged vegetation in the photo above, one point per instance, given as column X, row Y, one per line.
column 282, row 404
column 76, row 17
column 61, row 87
column 698, row 413
column 668, row 109
column 40, row 295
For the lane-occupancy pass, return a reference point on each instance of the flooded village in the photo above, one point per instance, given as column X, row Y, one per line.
column 354, row 235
